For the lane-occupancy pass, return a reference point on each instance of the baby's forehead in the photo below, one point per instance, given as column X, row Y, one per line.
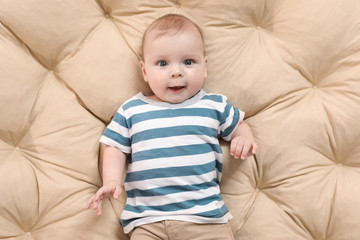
column 155, row 38
column 155, row 32
column 164, row 28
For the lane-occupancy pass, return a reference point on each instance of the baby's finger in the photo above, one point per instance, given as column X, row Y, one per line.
column 97, row 200
column 245, row 151
column 238, row 149
column 99, row 195
column 98, row 209
column 254, row 148
column 233, row 146
column 117, row 192
column 91, row 200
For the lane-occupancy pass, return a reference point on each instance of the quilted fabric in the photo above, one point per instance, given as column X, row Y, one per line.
column 292, row 66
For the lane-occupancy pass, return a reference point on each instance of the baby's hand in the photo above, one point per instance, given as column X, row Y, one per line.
column 111, row 188
column 242, row 147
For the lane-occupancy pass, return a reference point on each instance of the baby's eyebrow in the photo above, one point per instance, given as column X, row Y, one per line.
column 192, row 54
column 160, row 57
column 193, row 57
column 157, row 59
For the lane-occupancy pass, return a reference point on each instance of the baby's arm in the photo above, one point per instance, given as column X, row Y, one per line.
column 113, row 167
column 242, row 143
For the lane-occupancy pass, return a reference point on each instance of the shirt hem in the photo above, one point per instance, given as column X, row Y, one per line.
column 185, row 218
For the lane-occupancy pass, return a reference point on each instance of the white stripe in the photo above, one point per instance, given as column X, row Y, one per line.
column 173, row 198
column 241, row 118
column 175, row 141
column 210, row 104
column 228, row 121
column 164, row 182
column 143, row 109
column 116, row 127
column 108, row 141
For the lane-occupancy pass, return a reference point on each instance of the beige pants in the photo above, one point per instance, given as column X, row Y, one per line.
column 179, row 230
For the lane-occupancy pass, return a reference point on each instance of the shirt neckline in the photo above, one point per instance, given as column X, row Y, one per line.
column 185, row 103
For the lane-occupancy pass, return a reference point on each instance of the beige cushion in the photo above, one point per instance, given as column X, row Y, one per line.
column 292, row 66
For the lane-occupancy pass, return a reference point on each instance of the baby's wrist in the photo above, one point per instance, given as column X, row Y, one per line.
column 111, row 182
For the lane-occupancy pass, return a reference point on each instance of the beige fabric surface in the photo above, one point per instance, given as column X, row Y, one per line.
column 292, row 66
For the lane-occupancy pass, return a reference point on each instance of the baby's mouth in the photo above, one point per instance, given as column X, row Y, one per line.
column 177, row 88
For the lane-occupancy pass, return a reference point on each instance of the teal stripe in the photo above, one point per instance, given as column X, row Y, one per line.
column 219, row 166
column 117, row 137
column 133, row 103
column 171, row 113
column 233, row 124
column 226, row 112
column 161, row 191
column 175, row 151
column 170, row 172
column 173, row 132
column 214, row 98
column 120, row 119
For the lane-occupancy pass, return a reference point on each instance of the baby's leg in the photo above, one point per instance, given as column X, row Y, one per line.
column 179, row 230
column 187, row 230
column 152, row 231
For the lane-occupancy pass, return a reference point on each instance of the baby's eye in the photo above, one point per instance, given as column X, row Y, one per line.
column 162, row 63
column 188, row 62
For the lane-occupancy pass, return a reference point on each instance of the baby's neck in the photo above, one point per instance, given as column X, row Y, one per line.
column 154, row 98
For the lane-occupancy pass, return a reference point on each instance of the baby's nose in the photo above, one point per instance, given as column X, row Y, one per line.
column 176, row 72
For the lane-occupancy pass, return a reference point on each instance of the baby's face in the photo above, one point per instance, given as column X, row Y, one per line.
column 174, row 65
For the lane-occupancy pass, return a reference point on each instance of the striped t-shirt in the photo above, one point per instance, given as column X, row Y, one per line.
column 176, row 160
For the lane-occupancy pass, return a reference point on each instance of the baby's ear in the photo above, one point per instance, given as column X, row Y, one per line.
column 143, row 71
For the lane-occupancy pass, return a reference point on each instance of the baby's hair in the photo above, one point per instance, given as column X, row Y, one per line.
column 168, row 24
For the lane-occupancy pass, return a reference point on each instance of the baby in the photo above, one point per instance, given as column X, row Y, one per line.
column 171, row 136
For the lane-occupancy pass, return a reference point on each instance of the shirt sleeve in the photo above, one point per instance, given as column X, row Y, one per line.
column 230, row 120
column 117, row 134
